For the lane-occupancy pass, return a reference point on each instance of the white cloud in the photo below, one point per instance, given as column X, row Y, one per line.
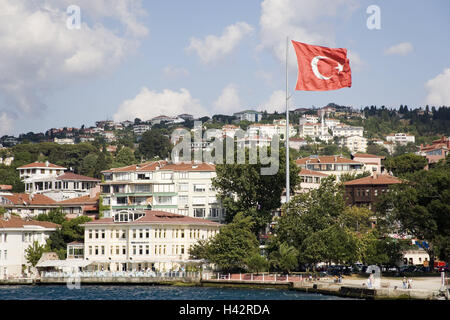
column 401, row 49
column 6, row 123
column 39, row 53
column 300, row 20
column 173, row 72
column 213, row 48
column 229, row 101
column 276, row 102
column 438, row 89
column 356, row 63
column 149, row 104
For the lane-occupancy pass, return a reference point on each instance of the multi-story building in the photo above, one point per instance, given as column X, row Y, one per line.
column 330, row 123
column 269, row 130
column 308, row 118
column 184, row 188
column 366, row 191
column 27, row 205
column 438, row 150
column 400, row 138
column 141, row 240
column 16, row 235
column 371, row 162
column 310, row 180
column 297, row 143
column 347, row 131
column 354, row 143
column 52, row 181
column 312, row 130
column 331, row 165
column 248, row 115
column 140, row 129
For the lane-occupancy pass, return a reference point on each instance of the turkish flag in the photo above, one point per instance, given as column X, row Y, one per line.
column 322, row 68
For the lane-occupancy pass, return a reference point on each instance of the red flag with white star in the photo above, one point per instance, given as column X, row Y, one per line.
column 322, row 68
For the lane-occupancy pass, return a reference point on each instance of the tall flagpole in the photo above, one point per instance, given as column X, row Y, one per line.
column 287, row 126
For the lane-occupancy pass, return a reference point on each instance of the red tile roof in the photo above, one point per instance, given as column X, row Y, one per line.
column 72, row 176
column 16, row 222
column 367, row 155
column 159, row 217
column 148, row 166
column 40, row 165
column 374, row 180
column 28, row 199
column 190, row 167
column 306, row 172
column 5, row 187
column 325, row 160
column 81, row 200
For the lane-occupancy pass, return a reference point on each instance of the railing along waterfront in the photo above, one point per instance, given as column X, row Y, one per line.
column 121, row 274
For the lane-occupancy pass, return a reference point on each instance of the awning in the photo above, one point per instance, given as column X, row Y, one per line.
column 74, row 263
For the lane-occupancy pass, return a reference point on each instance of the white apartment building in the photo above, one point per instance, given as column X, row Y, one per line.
column 330, row 123
column 371, row 162
column 354, row 143
column 312, row 130
column 52, row 180
column 331, row 165
column 310, row 180
column 141, row 240
column 308, row 118
column 401, row 138
column 248, row 115
column 64, row 141
column 16, row 235
column 270, row 130
column 347, row 131
column 184, row 188
column 140, row 129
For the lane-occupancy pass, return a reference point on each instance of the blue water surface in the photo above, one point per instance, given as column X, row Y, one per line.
column 96, row 292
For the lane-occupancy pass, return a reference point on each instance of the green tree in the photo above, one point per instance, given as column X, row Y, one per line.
column 421, row 207
column 405, row 164
column 285, row 258
column 257, row 263
column 125, row 157
column 154, row 144
column 230, row 248
column 33, row 253
column 242, row 188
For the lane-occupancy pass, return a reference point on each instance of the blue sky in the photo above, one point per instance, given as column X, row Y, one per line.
column 136, row 60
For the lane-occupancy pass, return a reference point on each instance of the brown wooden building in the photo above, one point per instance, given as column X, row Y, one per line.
column 366, row 191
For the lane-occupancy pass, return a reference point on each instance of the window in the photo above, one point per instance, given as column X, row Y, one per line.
column 103, row 234
column 96, row 250
column 141, row 233
column 198, row 200
column 117, row 250
column 182, row 233
column 145, row 176
column 117, row 234
column 184, row 175
column 90, row 250
column 199, row 187
column 147, row 233
column 166, row 176
column 90, row 234
column 96, row 234
column 182, row 249
column 183, row 187
column 124, row 250
column 134, row 249
column 141, row 250
column 134, row 234
column 199, row 212
column 183, row 200
column 147, row 249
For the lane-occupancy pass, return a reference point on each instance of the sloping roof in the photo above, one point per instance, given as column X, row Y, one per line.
column 325, row 160
column 367, row 155
column 16, row 222
column 306, row 172
column 190, row 167
column 81, row 200
column 5, row 187
column 159, row 217
column 40, row 165
column 27, row 199
column 72, row 176
column 148, row 166
column 374, row 180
